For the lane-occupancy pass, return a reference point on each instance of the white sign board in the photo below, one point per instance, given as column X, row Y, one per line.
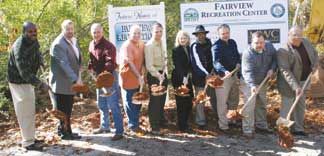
column 122, row 18
column 243, row 16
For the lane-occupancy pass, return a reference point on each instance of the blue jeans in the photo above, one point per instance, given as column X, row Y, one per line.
column 132, row 110
column 110, row 102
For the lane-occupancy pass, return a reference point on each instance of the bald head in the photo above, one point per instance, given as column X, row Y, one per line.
column 135, row 33
column 295, row 36
column 30, row 30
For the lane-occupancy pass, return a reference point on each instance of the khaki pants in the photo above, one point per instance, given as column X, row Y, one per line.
column 23, row 97
column 222, row 95
column 245, row 90
column 298, row 113
column 255, row 112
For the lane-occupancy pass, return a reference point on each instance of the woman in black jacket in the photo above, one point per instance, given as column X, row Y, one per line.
column 181, row 75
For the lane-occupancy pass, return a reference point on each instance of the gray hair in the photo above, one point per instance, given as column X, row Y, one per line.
column 65, row 23
column 295, row 28
column 94, row 26
column 258, row 34
column 224, row 26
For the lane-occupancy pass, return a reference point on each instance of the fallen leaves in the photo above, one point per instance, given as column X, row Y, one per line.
column 286, row 139
column 86, row 117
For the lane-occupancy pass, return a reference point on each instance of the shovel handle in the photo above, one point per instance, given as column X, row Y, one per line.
column 141, row 89
column 206, row 84
column 163, row 73
column 298, row 97
column 95, row 79
column 231, row 73
column 255, row 93
column 50, row 93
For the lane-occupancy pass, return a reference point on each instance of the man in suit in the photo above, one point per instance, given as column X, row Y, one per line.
column 65, row 69
column 296, row 60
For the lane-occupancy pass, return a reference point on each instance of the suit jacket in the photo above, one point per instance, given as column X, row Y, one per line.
column 290, row 67
column 182, row 65
column 65, row 66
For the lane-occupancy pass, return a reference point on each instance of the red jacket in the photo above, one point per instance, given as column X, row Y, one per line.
column 102, row 56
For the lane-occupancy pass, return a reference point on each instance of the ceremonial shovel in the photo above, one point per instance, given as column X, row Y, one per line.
column 253, row 95
column 106, row 93
column 55, row 112
column 286, row 121
column 237, row 114
column 140, row 97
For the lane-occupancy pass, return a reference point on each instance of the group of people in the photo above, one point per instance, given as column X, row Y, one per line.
column 147, row 62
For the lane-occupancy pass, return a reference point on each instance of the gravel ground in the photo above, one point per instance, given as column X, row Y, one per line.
column 178, row 145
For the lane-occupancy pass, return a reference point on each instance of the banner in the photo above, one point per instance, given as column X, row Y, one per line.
column 122, row 18
column 243, row 16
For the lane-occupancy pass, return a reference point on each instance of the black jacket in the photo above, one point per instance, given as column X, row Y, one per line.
column 182, row 65
column 201, row 53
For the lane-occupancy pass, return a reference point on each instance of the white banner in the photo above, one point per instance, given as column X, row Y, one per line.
column 243, row 16
column 122, row 18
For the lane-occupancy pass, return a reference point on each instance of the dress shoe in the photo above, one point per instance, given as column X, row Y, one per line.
column 248, row 135
column 34, row 147
column 264, row 130
column 202, row 127
column 299, row 133
column 225, row 131
column 117, row 137
column 37, row 141
column 71, row 137
column 101, row 131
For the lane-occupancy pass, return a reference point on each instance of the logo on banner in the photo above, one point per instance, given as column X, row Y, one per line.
column 277, row 10
column 272, row 35
column 191, row 15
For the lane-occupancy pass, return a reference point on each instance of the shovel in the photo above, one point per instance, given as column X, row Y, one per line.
column 50, row 93
column 230, row 74
column 106, row 93
column 197, row 99
column 160, row 85
column 178, row 91
column 55, row 112
column 138, row 101
column 221, row 80
column 237, row 114
column 286, row 121
column 80, row 87
column 252, row 97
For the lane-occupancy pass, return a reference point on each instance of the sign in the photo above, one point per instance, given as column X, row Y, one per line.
column 243, row 16
column 122, row 18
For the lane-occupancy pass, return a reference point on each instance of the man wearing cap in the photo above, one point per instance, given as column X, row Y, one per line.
column 202, row 65
column 225, row 59
column 24, row 61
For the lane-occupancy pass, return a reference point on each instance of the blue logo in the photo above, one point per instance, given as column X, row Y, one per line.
column 277, row 10
column 191, row 15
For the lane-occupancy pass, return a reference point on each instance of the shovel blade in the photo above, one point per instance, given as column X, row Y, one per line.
column 285, row 122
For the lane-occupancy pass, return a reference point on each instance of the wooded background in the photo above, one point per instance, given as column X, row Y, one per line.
column 48, row 15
